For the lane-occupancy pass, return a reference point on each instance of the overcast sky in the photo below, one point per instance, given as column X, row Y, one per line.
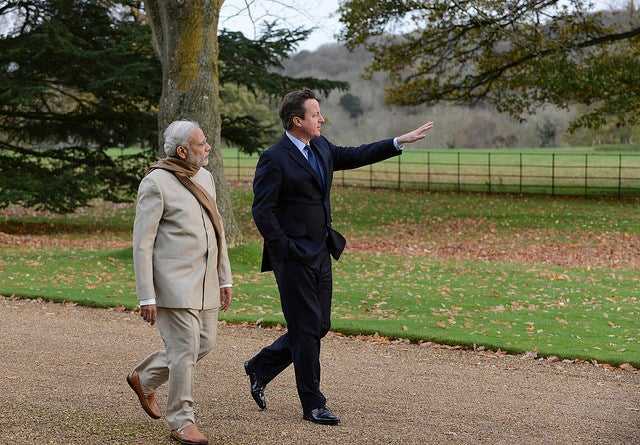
column 319, row 14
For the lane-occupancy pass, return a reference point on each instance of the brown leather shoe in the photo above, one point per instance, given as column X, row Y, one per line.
column 189, row 435
column 149, row 403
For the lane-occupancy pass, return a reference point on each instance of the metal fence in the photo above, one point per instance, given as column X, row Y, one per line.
column 614, row 174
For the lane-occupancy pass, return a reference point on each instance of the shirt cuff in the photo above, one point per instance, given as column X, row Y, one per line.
column 153, row 300
column 398, row 147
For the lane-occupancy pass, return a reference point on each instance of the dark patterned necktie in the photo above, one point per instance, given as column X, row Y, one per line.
column 314, row 163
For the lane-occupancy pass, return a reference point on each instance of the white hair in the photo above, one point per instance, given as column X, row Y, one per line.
column 177, row 133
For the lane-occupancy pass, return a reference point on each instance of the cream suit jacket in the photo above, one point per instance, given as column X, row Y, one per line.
column 174, row 244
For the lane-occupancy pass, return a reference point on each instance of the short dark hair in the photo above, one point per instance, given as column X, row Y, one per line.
column 293, row 106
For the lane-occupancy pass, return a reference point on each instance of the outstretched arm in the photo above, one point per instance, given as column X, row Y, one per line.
column 415, row 135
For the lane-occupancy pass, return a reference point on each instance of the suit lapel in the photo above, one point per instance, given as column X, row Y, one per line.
column 300, row 159
column 323, row 165
column 322, row 155
column 295, row 153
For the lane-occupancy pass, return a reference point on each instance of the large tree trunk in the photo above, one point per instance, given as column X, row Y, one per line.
column 186, row 38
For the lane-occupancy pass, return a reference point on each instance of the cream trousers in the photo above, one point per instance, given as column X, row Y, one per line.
column 188, row 336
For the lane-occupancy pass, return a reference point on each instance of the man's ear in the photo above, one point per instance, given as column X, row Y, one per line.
column 296, row 121
column 182, row 152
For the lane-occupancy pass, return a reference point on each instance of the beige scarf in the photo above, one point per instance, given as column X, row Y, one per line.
column 184, row 171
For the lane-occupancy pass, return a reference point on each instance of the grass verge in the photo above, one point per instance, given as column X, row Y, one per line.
column 570, row 312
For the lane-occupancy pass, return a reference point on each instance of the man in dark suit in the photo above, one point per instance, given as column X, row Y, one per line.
column 292, row 211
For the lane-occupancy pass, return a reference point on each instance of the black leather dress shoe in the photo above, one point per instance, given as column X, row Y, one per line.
column 256, row 386
column 323, row 416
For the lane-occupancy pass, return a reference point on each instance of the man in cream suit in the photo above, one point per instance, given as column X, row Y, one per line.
column 183, row 276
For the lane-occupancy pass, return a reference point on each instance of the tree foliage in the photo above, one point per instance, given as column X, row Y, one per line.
column 514, row 54
column 256, row 65
column 75, row 72
column 76, row 77
column 352, row 105
column 79, row 76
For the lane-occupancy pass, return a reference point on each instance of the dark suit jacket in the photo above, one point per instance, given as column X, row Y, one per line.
column 291, row 209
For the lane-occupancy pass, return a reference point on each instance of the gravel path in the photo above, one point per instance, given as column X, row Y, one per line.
column 62, row 381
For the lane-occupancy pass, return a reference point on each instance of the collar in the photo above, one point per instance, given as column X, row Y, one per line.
column 297, row 142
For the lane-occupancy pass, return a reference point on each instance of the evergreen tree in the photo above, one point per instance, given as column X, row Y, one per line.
column 78, row 77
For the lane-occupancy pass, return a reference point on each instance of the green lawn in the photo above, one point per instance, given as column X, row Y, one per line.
column 586, row 313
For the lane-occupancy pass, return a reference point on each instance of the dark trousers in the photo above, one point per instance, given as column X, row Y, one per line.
column 305, row 295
